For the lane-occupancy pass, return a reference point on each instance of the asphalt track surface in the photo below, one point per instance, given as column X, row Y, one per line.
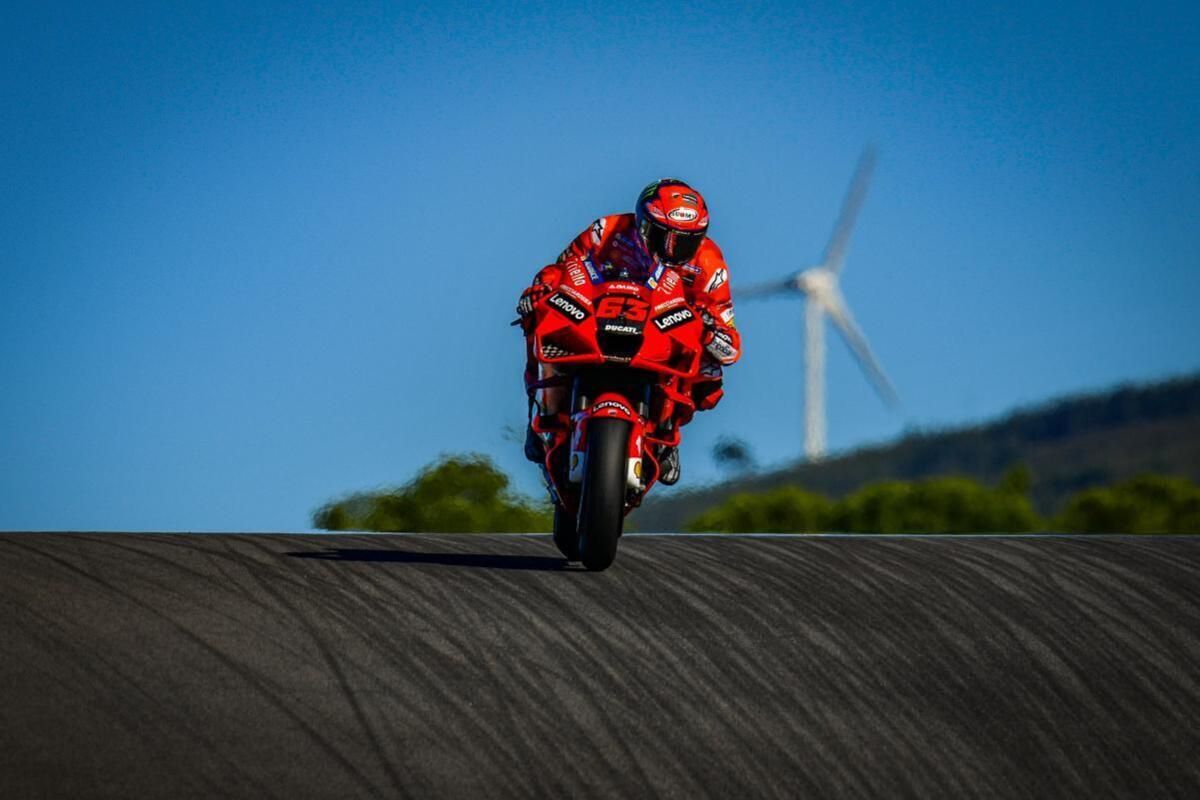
column 421, row 666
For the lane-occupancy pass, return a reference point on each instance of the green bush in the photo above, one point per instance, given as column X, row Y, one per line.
column 457, row 494
column 940, row 505
column 784, row 510
column 1149, row 504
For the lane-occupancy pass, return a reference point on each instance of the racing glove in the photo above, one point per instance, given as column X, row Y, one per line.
column 529, row 299
column 718, row 341
column 720, row 346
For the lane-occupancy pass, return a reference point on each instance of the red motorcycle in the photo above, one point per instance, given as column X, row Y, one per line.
column 629, row 352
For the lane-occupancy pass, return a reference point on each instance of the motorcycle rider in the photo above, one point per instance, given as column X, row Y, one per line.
column 668, row 230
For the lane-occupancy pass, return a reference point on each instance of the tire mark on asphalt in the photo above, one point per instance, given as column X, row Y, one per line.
column 55, row 640
column 710, row 667
column 333, row 664
column 416, row 665
column 251, row 678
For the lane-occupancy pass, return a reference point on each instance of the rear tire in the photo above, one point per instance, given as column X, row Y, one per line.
column 566, row 535
column 602, row 504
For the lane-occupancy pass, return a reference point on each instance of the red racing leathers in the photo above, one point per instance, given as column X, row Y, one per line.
column 610, row 248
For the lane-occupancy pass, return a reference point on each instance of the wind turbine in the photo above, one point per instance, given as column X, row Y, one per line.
column 822, row 296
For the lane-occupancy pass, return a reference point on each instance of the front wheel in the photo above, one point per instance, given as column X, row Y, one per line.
column 566, row 535
column 602, row 504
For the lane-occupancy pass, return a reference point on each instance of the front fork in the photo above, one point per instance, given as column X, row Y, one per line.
column 609, row 405
column 566, row 438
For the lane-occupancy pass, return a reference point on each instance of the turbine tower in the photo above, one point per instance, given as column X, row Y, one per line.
column 822, row 296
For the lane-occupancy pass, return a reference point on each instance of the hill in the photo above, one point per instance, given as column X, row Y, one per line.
column 1069, row 444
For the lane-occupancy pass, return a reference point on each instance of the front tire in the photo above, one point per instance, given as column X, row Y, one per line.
column 566, row 535
column 602, row 504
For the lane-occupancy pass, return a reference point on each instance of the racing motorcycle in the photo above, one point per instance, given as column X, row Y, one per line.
column 629, row 352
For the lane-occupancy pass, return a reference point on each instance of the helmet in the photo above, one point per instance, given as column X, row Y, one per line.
column 672, row 220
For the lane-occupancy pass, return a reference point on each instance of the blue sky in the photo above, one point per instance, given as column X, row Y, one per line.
column 253, row 258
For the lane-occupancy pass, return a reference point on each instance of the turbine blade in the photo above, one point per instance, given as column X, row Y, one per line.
column 768, row 289
column 839, row 240
column 839, row 312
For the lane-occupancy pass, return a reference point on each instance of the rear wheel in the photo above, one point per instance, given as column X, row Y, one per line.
column 602, row 504
column 566, row 535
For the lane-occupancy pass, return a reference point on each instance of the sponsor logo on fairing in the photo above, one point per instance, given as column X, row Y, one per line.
column 612, row 407
column 618, row 328
column 674, row 301
column 623, row 287
column 577, row 275
column 567, row 307
column 683, row 214
column 674, row 319
column 578, row 295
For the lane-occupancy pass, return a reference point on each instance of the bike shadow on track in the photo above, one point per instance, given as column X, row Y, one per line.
column 475, row 560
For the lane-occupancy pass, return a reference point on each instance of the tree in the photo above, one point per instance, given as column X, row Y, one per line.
column 457, row 494
column 1018, row 480
column 1148, row 504
column 784, row 510
column 940, row 505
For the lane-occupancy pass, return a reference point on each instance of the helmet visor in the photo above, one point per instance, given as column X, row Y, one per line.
column 671, row 245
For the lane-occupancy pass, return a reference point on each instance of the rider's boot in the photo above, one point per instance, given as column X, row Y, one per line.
column 668, row 465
